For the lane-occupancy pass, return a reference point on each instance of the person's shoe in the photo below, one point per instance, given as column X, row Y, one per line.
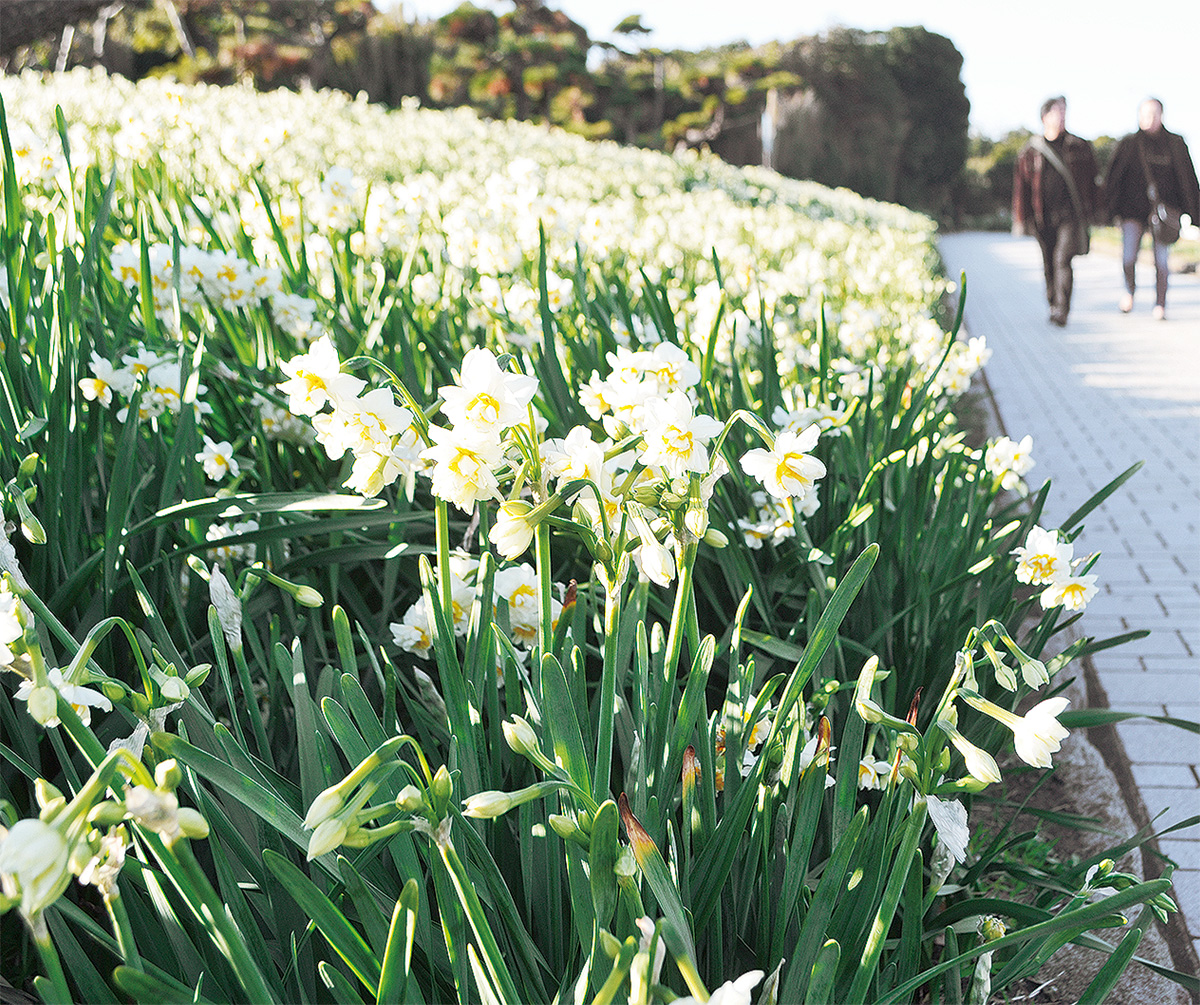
column 1160, row 312
column 1058, row 319
column 1126, row 303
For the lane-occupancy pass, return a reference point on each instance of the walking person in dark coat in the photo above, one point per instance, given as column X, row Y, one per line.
column 1152, row 154
column 1054, row 200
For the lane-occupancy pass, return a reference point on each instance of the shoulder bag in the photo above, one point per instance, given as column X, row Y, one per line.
column 1165, row 221
column 1083, row 239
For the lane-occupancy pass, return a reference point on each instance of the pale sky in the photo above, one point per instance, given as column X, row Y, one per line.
column 1015, row 54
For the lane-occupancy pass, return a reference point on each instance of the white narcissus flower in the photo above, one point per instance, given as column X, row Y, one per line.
column 787, row 469
column 413, row 634
column 950, row 820
column 1043, row 558
column 676, row 438
column 1036, row 735
column 871, row 773
column 512, row 533
column 653, row 558
column 218, row 460
column 154, row 809
column 105, row 379
column 1009, row 460
column 518, row 587
column 1071, row 592
column 315, row 378
column 980, row 764
column 735, row 992
column 43, row 702
column 10, row 626
column 485, row 396
column 329, row 834
column 34, row 866
column 463, row 460
column 103, row 868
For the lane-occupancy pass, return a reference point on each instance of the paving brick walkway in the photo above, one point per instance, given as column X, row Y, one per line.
column 1097, row 396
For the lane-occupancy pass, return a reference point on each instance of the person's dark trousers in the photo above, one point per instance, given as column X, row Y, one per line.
column 1057, row 244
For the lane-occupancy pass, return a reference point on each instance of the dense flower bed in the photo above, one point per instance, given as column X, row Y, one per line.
column 423, row 470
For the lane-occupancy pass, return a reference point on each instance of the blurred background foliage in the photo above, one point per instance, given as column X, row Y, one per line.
column 884, row 113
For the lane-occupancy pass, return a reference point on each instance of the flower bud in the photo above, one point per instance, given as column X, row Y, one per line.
column 409, row 799
column 863, row 704
column 326, row 837
column 114, row 690
column 46, row 793
column 487, row 805
column 106, row 814
column 326, row 804
column 520, row 736
column 173, row 689
column 715, row 539
column 307, row 596
column 192, row 824
column 168, row 775
column 442, row 789
column 198, row 675
column 610, row 944
column 28, row 467
column 43, row 704
column 567, row 829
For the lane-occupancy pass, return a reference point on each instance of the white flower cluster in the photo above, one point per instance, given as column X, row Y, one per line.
column 514, row 589
column 1046, row 560
column 157, row 376
column 367, row 423
column 396, row 186
column 221, row 278
column 10, row 625
column 1009, row 461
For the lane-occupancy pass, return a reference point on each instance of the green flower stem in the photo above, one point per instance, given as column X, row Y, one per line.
column 53, row 965
column 256, row 725
column 546, row 619
column 445, row 587
column 679, row 616
column 123, row 930
column 608, row 691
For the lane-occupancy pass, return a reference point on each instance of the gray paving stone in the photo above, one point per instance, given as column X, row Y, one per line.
column 1158, row 743
column 1174, row 804
column 1165, row 776
column 1185, row 854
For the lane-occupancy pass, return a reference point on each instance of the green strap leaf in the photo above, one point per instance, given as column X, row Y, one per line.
column 340, row 934
column 269, row 805
column 824, row 970
column 564, row 723
column 395, row 985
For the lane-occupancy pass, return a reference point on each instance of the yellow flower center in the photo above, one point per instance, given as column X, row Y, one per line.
column 1042, row 565
column 484, row 408
column 678, row 441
